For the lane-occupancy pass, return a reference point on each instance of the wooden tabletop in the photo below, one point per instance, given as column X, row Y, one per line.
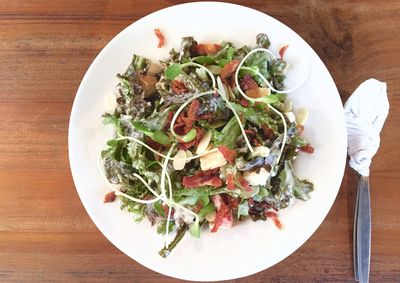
column 45, row 49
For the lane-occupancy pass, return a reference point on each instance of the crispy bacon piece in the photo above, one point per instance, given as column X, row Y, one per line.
column 184, row 122
column 165, row 207
column 178, row 87
column 227, row 73
column 191, row 116
column 224, row 214
column 168, row 121
column 228, row 154
column 307, row 148
column 274, row 217
column 244, row 184
column 198, row 206
column 110, row 197
column 230, row 181
column 248, row 83
column 282, row 50
column 250, row 132
column 244, row 102
column 267, row 132
column 154, row 145
column 256, row 142
column 160, row 37
column 202, row 178
column 206, row 116
column 207, row 48
column 233, row 202
column 271, row 214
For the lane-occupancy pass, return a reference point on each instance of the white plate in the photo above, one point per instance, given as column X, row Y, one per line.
column 249, row 247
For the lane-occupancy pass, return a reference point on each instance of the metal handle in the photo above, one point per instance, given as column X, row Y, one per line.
column 362, row 231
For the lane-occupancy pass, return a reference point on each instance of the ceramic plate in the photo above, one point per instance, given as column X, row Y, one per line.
column 249, row 247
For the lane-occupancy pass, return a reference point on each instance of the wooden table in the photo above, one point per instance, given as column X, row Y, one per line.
column 45, row 49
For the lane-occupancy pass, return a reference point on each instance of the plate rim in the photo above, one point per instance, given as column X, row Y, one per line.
column 79, row 93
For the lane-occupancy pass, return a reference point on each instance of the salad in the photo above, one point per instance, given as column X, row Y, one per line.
column 205, row 139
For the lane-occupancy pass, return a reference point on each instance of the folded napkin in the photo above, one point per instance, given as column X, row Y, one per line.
column 365, row 111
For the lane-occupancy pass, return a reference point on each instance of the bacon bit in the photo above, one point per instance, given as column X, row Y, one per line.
column 248, row 83
column 277, row 223
column 198, row 206
column 169, row 119
column 160, row 37
column 301, row 128
column 233, row 202
column 250, row 132
column 206, row 116
column 227, row 72
column 271, row 214
column 244, row 102
column 178, row 87
column 245, row 185
column 282, row 50
column 230, row 181
column 222, row 212
column 148, row 197
column 154, row 145
column 267, row 131
column 165, row 207
column 256, row 142
column 184, row 122
column 274, row 217
column 228, row 154
column 207, row 48
column 307, row 149
column 202, row 178
column 250, row 201
column 191, row 113
column 110, row 197
column 195, row 142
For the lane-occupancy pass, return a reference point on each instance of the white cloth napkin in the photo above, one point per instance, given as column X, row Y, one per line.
column 365, row 111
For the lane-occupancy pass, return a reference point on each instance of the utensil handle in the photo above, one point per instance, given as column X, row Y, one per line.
column 363, row 229
column 355, row 253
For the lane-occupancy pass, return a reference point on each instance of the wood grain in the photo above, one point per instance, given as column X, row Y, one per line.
column 45, row 49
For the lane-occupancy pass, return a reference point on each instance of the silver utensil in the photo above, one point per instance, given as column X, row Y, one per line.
column 362, row 231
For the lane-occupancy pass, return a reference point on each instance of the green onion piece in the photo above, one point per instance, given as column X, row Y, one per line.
column 157, row 136
column 164, row 252
column 206, row 210
column 269, row 99
column 204, row 60
column 223, row 62
column 229, row 53
column 191, row 135
column 173, row 71
column 161, row 138
column 195, row 228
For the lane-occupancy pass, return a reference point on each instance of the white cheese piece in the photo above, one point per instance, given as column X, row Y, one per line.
column 290, row 116
column 189, row 154
column 260, row 151
column 204, row 142
column 212, row 160
column 179, row 160
column 257, row 179
column 302, row 116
